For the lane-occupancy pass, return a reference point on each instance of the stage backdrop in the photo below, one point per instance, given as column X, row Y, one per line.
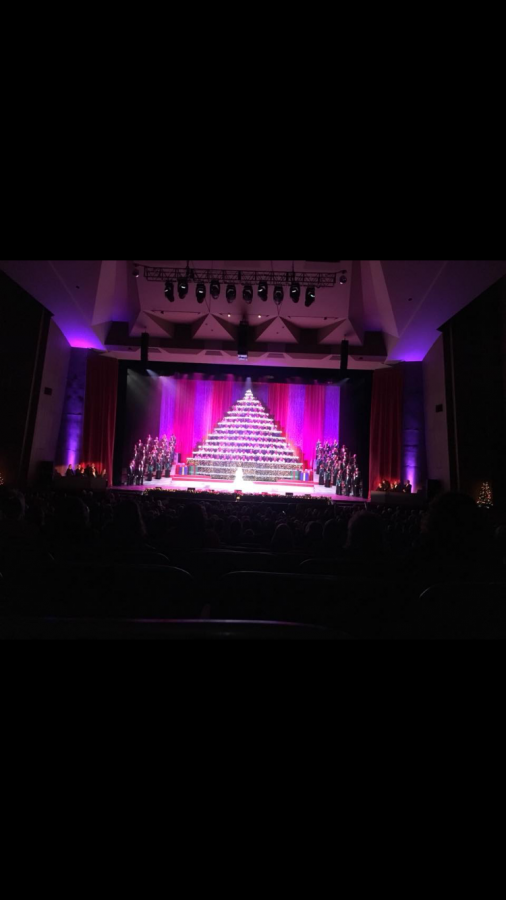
column 189, row 406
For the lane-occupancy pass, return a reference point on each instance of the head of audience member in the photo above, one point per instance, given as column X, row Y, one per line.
column 314, row 533
column 12, row 506
column 128, row 525
column 366, row 535
column 234, row 530
column 191, row 528
column 71, row 520
column 451, row 525
column 334, row 536
column 282, row 539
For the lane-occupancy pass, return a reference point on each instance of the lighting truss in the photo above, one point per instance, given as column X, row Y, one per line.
column 243, row 276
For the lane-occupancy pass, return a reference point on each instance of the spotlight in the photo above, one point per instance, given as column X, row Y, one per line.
column 200, row 293
column 310, row 295
column 169, row 291
column 182, row 287
column 247, row 293
column 230, row 293
column 135, row 272
column 214, row 289
column 295, row 291
column 278, row 294
column 263, row 290
column 343, row 278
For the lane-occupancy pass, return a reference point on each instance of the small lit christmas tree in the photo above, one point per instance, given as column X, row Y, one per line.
column 485, row 498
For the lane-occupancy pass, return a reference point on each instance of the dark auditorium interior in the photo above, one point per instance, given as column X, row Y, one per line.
column 253, row 450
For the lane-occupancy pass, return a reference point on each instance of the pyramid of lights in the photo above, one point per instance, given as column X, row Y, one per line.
column 246, row 437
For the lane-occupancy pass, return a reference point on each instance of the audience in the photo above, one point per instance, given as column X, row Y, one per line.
column 453, row 540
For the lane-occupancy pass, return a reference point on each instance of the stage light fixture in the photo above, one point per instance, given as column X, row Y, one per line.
column 182, row 287
column 169, row 291
column 343, row 278
column 135, row 272
column 263, row 290
column 200, row 293
column 242, row 340
column 214, row 289
column 230, row 293
column 278, row 294
column 247, row 293
column 344, row 356
column 295, row 291
column 310, row 295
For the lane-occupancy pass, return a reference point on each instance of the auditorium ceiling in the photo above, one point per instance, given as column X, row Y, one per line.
column 388, row 310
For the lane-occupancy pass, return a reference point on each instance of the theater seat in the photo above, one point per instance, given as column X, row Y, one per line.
column 112, row 590
column 212, row 564
column 130, row 629
column 348, row 568
column 460, row 610
column 362, row 608
column 133, row 558
column 285, row 597
column 319, row 567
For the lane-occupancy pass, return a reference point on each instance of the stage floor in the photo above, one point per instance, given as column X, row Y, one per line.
column 275, row 489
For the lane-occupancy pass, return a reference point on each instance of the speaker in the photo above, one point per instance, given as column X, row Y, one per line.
column 433, row 488
column 289, row 495
column 45, row 474
column 344, row 356
column 144, row 348
column 242, row 340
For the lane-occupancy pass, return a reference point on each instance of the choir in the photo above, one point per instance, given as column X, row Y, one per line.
column 153, row 459
column 336, row 467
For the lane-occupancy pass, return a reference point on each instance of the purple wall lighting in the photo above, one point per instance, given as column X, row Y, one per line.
column 71, row 429
column 414, row 464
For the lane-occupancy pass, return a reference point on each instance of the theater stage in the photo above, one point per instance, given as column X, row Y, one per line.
column 303, row 489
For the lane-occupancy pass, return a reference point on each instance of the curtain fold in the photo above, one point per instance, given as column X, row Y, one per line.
column 184, row 411
column 100, row 404
column 314, row 412
column 386, row 427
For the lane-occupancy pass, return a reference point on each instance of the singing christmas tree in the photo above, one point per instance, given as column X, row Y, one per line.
column 247, row 438
column 485, row 498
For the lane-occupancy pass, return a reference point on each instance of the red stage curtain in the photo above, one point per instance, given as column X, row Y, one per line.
column 314, row 411
column 278, row 398
column 100, row 413
column 386, row 427
column 184, row 415
column 221, row 401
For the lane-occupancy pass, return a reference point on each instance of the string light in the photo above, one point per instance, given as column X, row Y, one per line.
column 485, row 498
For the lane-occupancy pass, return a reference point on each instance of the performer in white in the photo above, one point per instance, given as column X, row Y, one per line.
column 239, row 480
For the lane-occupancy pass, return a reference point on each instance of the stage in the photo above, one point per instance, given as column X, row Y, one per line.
column 303, row 489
